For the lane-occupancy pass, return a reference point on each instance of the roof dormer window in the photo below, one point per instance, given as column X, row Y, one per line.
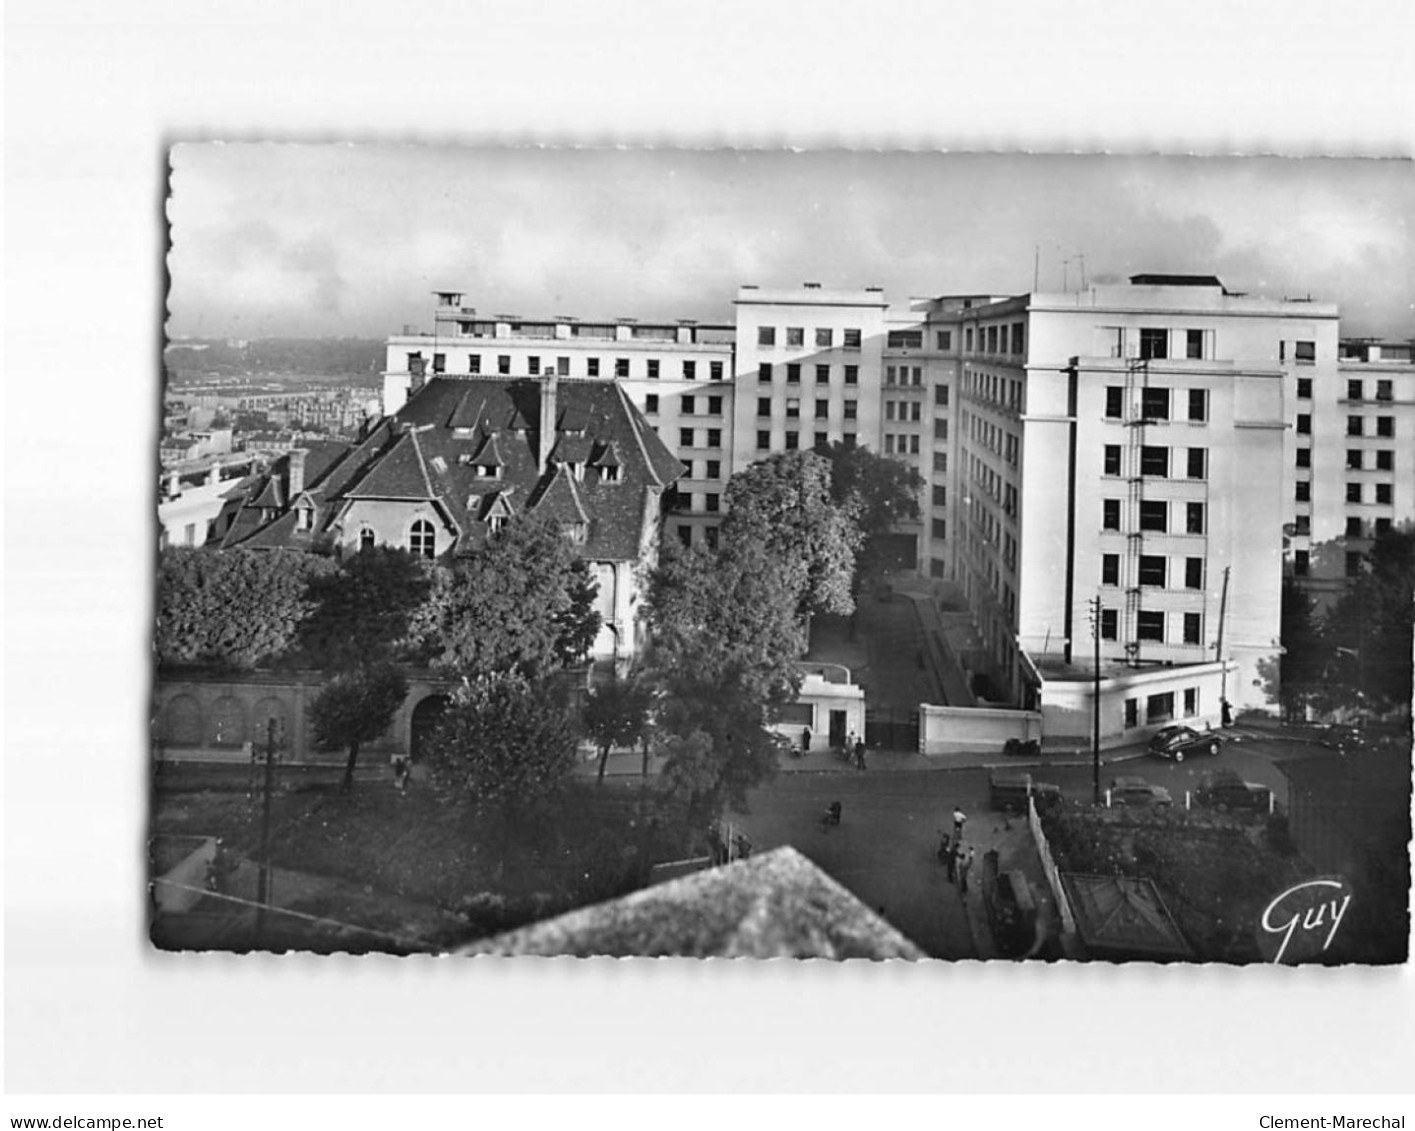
column 304, row 518
column 609, row 474
column 488, row 471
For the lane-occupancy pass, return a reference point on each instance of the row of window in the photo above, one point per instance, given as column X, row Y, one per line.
column 687, row 404
column 1355, row 389
column 712, row 438
column 901, row 445
column 903, row 375
column 1355, row 425
column 1302, row 562
column 1383, row 495
column 1155, row 403
column 795, row 337
column 793, row 440
column 1153, row 624
column 822, row 406
column 1153, row 571
column 995, row 339
column 710, row 469
column 685, row 535
column 1160, row 708
column 711, row 501
column 1154, row 516
column 1003, row 391
column 535, row 366
column 1356, row 459
column 1155, row 461
column 766, row 369
column 903, row 410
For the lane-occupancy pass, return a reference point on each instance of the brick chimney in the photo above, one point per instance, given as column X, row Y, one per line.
column 297, row 472
column 549, row 387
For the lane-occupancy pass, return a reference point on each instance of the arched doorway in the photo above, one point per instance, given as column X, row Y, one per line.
column 426, row 715
column 181, row 722
column 228, row 722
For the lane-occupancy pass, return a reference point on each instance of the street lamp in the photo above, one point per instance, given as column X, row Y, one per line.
column 1095, row 609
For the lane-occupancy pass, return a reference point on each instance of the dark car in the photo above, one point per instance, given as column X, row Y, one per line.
column 1226, row 790
column 1177, row 741
column 1137, row 791
column 1009, row 790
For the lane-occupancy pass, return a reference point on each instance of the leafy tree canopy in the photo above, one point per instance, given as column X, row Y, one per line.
column 233, row 608
column 356, row 707
column 364, row 611
column 784, row 504
column 879, row 491
column 1369, row 629
column 616, row 714
column 523, row 602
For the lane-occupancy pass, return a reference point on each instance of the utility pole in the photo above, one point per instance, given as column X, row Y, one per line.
column 263, row 884
column 1095, row 604
column 1223, row 667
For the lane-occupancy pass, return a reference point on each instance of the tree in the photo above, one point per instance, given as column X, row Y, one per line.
column 616, row 715
column 233, row 608
column 878, row 491
column 355, row 707
column 1369, row 629
column 784, row 504
column 505, row 741
column 1297, row 673
column 364, row 611
column 524, row 602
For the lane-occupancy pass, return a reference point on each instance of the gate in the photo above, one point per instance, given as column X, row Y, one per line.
column 892, row 728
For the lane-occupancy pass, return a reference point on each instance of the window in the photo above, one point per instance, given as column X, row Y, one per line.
column 1301, row 563
column 688, row 405
column 1149, row 625
column 651, row 403
column 503, row 363
column 940, row 429
column 1193, row 573
column 690, row 371
column 939, row 528
column 824, row 338
column 852, row 339
column 1194, row 518
column 763, row 441
column 713, row 469
column 1193, row 625
column 439, row 363
column 1353, row 459
column 562, row 366
column 592, row 367
column 1355, row 426
column 940, row 495
column 685, row 437
column 1302, row 491
column 793, row 441
column 715, row 373
column 1153, row 570
column 1385, row 459
column 474, row 363
column 916, row 412
column 1304, row 424
column 714, row 406
column 1198, row 405
column 944, row 338
column 793, row 374
column 712, row 502
column 1304, row 457
column 852, row 374
column 992, row 339
column 710, row 534
column 1110, row 569
column 1385, row 391
column 1110, row 514
column 1154, row 404
column 941, row 462
column 1194, row 343
column 1353, row 492
column 1382, row 526
column 1303, row 523
column 714, row 438
column 1305, row 352
column 1154, row 515
column 609, row 475
column 533, row 366
column 621, row 367
column 653, row 366
column 941, row 395
column 1198, row 463
column 793, row 408
column 1132, row 713
column 849, row 439
column 766, row 336
column 1353, row 563
column 1154, row 343
column 685, row 534
column 889, row 445
column 968, row 339
column 1018, row 338
column 1385, row 426
column 913, row 445
column 1112, row 459
column 1191, row 701
column 851, row 408
column 764, row 371
column 1304, row 388
column 1154, row 461
column 367, row 538
column 1114, row 402
column 905, row 340
column 1353, row 390
column 822, row 409
column 1110, row 625
column 1383, row 493
column 795, row 336
column 822, row 373
column 422, row 539
column 763, row 406
column 822, row 439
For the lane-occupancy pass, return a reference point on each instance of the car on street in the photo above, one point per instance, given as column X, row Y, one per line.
column 1137, row 791
column 1177, row 741
column 1009, row 789
column 1227, row 790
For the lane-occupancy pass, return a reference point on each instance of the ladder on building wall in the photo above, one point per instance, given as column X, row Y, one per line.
column 1137, row 380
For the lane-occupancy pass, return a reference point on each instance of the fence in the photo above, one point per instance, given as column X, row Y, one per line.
column 1039, row 838
column 957, row 730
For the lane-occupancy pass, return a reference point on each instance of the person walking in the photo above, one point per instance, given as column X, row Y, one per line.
column 860, row 752
column 805, row 741
column 953, row 862
column 964, row 867
column 958, row 818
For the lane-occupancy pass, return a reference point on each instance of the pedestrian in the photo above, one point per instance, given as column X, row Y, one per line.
column 945, row 848
column 400, row 772
column 806, row 741
column 964, row 867
column 958, row 818
column 953, row 862
column 860, row 752
column 1227, row 713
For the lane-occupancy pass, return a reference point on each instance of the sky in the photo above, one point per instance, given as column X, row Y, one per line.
column 350, row 240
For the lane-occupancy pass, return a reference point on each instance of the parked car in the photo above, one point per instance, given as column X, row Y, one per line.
column 1022, row 747
column 1009, row 790
column 1137, row 791
column 1177, row 741
column 1226, row 790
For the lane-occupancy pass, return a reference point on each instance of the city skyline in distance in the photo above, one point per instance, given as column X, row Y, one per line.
column 350, row 240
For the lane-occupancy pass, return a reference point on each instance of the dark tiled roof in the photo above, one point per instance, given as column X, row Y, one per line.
column 400, row 473
column 559, row 499
column 1124, row 916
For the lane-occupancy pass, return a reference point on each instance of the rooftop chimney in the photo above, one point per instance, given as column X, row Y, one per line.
column 297, row 471
column 549, row 387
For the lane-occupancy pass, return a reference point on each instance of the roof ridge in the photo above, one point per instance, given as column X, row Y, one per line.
column 631, row 414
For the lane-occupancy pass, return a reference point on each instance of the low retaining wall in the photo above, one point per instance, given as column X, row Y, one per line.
column 958, row 730
column 1049, row 869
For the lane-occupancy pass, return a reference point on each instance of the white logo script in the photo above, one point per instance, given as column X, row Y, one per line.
column 1312, row 920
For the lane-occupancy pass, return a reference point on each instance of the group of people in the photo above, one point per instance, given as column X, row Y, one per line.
column 853, row 749
column 955, row 856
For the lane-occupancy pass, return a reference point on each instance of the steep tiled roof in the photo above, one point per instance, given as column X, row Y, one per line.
column 559, row 499
column 400, row 473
